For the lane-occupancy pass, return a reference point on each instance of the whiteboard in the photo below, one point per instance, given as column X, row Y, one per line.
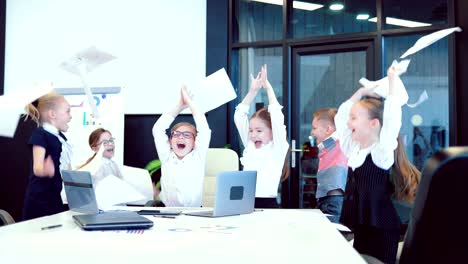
column 109, row 103
column 158, row 44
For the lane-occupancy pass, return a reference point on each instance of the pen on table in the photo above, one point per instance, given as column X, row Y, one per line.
column 164, row 216
column 50, row 227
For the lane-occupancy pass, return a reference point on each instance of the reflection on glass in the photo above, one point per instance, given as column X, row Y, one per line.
column 249, row 62
column 333, row 17
column 257, row 21
column 420, row 13
column 326, row 80
column 425, row 128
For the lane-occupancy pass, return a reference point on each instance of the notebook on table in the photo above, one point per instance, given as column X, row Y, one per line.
column 82, row 198
column 234, row 195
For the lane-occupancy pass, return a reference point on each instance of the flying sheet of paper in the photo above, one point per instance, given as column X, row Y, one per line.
column 214, row 91
column 10, row 115
column 84, row 62
column 381, row 86
column 429, row 39
column 12, row 106
column 112, row 190
column 422, row 97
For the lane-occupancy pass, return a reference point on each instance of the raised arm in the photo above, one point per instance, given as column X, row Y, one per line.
column 267, row 86
column 255, row 86
column 161, row 140
column 203, row 130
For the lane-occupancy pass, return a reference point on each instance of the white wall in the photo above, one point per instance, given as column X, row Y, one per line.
column 159, row 45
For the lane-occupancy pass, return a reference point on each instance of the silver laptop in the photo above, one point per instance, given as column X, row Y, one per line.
column 234, row 195
column 82, row 198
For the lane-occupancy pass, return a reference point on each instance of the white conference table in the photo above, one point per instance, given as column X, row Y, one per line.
column 268, row 236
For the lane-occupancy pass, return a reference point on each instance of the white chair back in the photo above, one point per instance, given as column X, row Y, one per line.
column 217, row 159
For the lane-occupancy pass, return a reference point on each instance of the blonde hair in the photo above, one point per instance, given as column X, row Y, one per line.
column 407, row 176
column 93, row 141
column 326, row 114
column 37, row 109
column 264, row 115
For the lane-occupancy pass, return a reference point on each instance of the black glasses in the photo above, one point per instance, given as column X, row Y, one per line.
column 111, row 141
column 185, row 134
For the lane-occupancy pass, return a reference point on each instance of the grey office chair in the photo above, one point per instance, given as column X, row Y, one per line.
column 436, row 232
column 5, row 218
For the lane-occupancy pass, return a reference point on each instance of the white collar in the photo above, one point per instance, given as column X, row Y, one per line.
column 50, row 128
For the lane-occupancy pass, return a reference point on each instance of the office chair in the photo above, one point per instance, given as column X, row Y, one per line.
column 217, row 159
column 5, row 218
column 437, row 232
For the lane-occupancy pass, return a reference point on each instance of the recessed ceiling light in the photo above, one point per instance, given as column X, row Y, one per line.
column 336, row 6
column 362, row 17
column 296, row 4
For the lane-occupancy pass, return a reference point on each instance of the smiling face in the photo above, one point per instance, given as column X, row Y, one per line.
column 107, row 142
column 183, row 139
column 363, row 128
column 60, row 115
column 259, row 132
column 321, row 129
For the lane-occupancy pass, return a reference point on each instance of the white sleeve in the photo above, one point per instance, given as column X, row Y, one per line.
column 343, row 133
column 202, row 141
column 383, row 154
column 161, row 140
column 241, row 119
column 278, row 128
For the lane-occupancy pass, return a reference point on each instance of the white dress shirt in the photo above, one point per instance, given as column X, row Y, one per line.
column 108, row 167
column 182, row 179
column 381, row 151
column 268, row 160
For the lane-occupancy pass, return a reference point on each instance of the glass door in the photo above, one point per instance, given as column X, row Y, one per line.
column 321, row 76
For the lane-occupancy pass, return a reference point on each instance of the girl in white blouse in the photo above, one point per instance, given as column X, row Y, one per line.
column 182, row 155
column 368, row 129
column 102, row 138
column 264, row 140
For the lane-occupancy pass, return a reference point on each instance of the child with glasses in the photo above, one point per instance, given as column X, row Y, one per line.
column 97, row 139
column 182, row 155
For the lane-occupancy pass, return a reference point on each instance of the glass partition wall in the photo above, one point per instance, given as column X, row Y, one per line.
column 316, row 52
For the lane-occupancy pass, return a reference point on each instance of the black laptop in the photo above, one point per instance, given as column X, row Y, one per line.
column 81, row 198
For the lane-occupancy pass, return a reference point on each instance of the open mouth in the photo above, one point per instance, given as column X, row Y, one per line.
column 258, row 144
column 180, row 146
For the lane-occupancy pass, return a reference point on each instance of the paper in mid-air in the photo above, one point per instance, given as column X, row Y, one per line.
column 428, row 40
column 381, row 86
column 213, row 91
column 12, row 106
column 84, row 62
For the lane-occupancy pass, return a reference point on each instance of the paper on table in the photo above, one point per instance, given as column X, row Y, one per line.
column 381, row 86
column 84, row 62
column 12, row 106
column 427, row 40
column 112, row 190
column 214, row 91
column 422, row 97
column 341, row 227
